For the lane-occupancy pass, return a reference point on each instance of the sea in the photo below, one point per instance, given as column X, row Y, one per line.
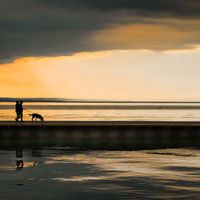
column 77, row 173
column 67, row 173
column 83, row 111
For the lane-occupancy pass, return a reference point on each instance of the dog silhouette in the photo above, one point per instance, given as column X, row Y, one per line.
column 36, row 116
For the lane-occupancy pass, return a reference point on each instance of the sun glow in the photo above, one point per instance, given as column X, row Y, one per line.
column 124, row 75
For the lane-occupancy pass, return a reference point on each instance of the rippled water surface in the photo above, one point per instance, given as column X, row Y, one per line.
column 65, row 173
column 106, row 111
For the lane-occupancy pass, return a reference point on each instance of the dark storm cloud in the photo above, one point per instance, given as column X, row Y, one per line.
column 152, row 7
column 55, row 27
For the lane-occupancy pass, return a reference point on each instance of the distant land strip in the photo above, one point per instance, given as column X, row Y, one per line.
column 9, row 99
column 106, row 107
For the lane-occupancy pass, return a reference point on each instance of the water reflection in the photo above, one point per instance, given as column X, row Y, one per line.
column 77, row 174
column 20, row 163
column 19, row 159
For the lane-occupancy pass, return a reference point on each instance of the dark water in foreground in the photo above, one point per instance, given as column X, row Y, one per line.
column 73, row 173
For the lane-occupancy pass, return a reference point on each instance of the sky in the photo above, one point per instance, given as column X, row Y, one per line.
column 100, row 49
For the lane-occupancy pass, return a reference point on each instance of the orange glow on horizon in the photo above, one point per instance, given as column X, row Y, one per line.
column 120, row 75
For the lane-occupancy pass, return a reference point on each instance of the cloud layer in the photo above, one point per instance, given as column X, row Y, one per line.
column 60, row 27
column 152, row 7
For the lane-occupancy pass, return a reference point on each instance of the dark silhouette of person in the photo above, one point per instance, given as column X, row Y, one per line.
column 19, row 110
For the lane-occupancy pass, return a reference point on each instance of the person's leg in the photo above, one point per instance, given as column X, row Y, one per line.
column 21, row 116
column 17, row 117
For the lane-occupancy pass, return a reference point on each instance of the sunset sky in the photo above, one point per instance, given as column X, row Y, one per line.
column 100, row 49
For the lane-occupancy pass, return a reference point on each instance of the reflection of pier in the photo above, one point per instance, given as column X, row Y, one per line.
column 101, row 135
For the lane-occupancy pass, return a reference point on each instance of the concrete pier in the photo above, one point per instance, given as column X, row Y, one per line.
column 124, row 135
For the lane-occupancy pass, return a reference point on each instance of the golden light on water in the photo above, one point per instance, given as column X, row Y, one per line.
column 165, row 166
column 163, row 173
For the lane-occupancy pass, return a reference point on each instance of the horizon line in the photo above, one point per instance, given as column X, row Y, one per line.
column 52, row 99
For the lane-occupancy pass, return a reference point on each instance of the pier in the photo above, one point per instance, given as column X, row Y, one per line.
column 124, row 135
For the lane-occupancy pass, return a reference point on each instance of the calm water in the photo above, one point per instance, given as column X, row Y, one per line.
column 65, row 173
column 106, row 111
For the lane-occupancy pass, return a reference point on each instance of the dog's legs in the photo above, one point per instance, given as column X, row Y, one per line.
column 32, row 118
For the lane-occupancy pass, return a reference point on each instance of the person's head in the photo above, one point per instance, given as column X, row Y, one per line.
column 21, row 102
column 17, row 102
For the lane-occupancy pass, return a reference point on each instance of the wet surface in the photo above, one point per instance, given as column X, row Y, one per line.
column 70, row 173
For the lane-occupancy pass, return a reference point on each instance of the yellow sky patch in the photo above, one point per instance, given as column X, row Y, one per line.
column 120, row 75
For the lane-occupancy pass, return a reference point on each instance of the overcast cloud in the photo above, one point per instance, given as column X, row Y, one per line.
column 61, row 27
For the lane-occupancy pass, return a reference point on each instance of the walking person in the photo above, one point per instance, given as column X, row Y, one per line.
column 19, row 110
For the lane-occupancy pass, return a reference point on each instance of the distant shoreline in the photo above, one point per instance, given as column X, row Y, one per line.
column 63, row 100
